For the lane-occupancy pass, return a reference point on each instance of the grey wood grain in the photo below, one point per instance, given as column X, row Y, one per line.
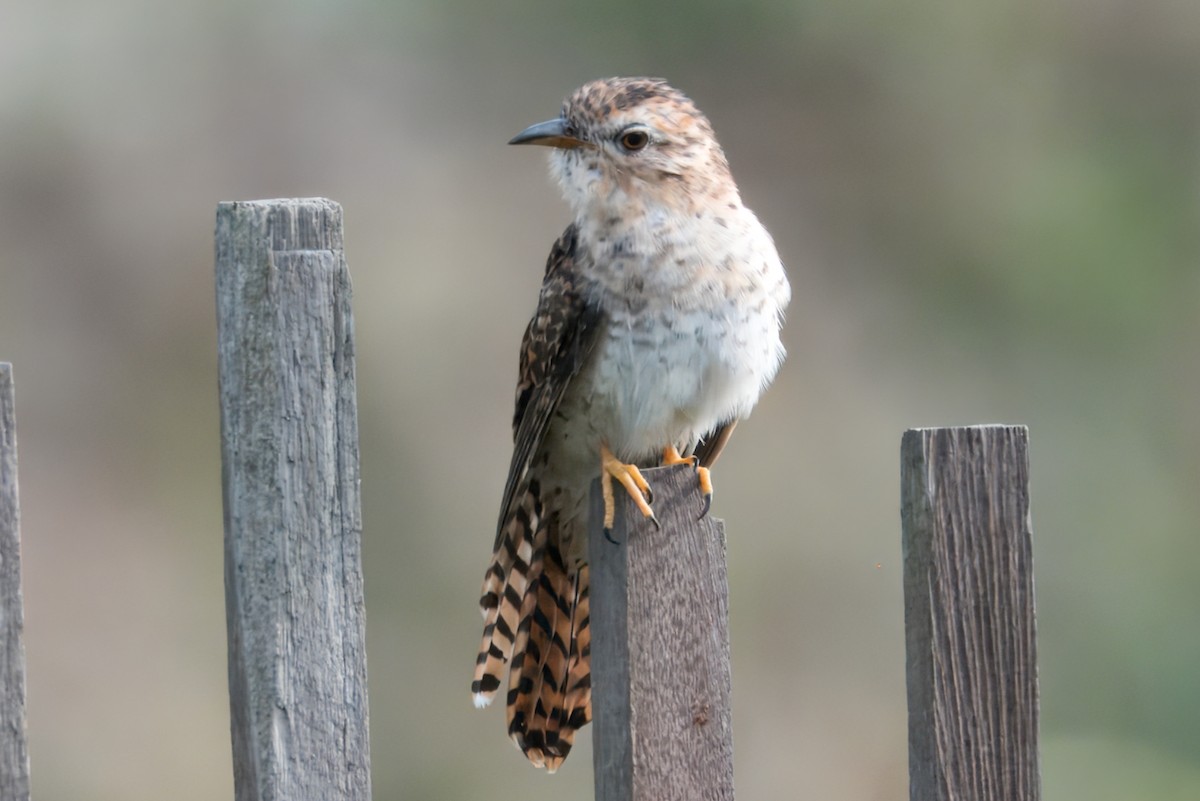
column 14, row 753
column 969, row 615
column 290, row 475
column 660, row 649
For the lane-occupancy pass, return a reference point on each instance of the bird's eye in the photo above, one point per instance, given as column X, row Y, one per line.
column 634, row 141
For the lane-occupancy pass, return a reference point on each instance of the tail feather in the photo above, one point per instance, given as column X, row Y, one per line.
column 538, row 681
column 577, row 706
column 575, row 710
column 515, row 566
column 520, row 684
column 540, row 619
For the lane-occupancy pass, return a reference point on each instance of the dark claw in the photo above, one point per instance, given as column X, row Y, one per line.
column 649, row 496
column 608, row 536
column 654, row 520
column 707, row 506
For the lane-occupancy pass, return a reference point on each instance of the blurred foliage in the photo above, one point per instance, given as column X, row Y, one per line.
column 990, row 213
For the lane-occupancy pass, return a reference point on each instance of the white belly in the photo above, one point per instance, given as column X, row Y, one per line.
column 655, row 381
column 650, row 383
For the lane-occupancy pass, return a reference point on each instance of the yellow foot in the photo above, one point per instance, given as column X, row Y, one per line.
column 631, row 479
column 671, row 457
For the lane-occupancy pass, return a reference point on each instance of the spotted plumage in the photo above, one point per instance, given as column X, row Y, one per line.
column 656, row 329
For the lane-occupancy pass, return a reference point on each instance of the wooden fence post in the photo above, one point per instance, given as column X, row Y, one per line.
column 660, row 649
column 969, row 615
column 290, row 475
column 14, row 754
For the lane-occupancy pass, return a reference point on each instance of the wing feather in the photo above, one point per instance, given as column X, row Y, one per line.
column 556, row 343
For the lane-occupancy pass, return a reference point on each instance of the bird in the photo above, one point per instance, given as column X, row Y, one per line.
column 656, row 330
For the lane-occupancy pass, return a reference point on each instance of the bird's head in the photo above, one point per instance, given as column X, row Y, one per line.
column 632, row 139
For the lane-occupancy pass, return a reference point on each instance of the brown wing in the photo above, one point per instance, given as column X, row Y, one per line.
column 549, row 695
column 556, row 342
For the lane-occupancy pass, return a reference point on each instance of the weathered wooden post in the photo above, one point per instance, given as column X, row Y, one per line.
column 290, row 475
column 660, row 649
column 14, row 753
column 969, row 615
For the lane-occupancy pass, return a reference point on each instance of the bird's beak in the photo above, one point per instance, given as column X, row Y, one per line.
column 551, row 133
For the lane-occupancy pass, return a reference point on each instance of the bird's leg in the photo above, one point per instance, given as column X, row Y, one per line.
column 671, row 457
column 631, row 479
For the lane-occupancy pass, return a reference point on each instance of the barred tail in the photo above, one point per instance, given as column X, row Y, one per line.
column 549, row 695
column 577, row 704
column 516, row 563
column 535, row 612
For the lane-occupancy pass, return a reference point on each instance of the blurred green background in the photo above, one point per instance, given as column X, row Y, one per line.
column 990, row 213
